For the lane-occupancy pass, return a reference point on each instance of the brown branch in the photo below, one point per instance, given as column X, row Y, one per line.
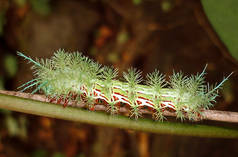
column 215, row 115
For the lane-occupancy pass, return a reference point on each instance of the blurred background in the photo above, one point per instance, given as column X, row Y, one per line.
column 147, row 34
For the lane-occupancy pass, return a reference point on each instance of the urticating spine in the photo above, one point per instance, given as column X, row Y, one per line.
column 74, row 77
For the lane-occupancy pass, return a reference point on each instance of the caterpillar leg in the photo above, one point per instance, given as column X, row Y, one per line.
column 112, row 108
column 135, row 112
column 158, row 115
column 65, row 103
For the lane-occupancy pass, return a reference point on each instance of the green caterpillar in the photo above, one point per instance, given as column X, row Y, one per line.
column 74, row 77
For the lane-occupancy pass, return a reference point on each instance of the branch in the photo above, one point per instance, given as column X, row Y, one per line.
column 37, row 105
column 215, row 115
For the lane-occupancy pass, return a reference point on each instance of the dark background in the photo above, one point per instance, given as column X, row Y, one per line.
column 164, row 34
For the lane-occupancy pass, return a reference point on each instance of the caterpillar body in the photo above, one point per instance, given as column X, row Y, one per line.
column 74, row 77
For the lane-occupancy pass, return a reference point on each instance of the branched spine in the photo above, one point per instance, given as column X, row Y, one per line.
column 156, row 81
column 108, row 75
column 133, row 77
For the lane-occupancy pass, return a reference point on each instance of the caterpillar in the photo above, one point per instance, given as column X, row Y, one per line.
column 74, row 77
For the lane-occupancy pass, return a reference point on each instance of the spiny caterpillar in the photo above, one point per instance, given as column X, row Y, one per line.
column 74, row 77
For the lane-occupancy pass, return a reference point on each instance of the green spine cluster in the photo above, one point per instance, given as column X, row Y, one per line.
column 156, row 81
column 67, row 74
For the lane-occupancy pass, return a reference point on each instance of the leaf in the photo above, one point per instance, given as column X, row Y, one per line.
column 10, row 64
column 223, row 15
column 41, row 7
column 136, row 2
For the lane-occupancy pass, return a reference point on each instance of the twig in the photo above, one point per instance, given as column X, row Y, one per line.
column 215, row 115
column 20, row 104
